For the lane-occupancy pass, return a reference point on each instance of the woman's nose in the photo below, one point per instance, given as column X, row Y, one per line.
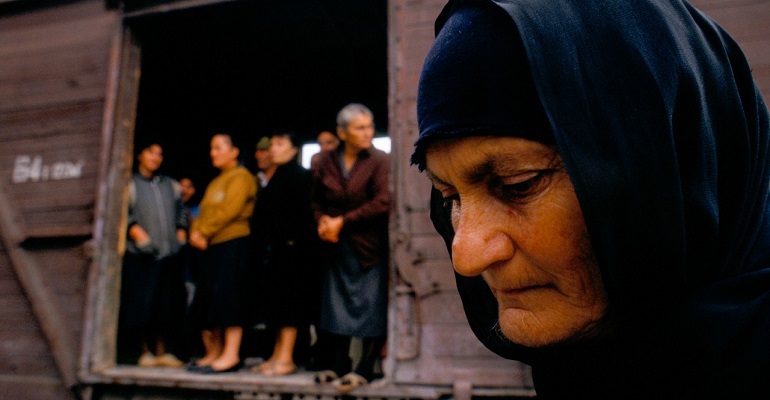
column 479, row 240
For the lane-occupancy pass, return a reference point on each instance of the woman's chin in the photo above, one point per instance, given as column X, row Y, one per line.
column 527, row 328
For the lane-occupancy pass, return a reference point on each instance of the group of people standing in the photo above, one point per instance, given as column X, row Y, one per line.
column 288, row 248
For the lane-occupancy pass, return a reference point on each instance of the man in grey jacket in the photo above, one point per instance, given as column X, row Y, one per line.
column 152, row 289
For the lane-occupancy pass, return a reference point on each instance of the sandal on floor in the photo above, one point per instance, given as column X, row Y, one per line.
column 168, row 360
column 350, row 381
column 277, row 368
column 262, row 366
column 325, row 376
column 147, row 360
column 210, row 370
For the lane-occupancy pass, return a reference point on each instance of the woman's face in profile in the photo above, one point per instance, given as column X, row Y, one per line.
column 518, row 224
column 281, row 150
column 223, row 154
column 359, row 133
column 151, row 158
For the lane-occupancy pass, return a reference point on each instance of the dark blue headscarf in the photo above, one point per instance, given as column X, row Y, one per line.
column 664, row 134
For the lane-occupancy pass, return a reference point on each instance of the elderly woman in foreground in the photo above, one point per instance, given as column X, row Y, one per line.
column 600, row 173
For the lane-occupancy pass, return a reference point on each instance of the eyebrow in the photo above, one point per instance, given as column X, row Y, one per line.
column 435, row 179
column 500, row 164
column 479, row 172
column 475, row 174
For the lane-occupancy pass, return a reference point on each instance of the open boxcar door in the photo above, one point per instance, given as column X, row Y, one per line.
column 55, row 65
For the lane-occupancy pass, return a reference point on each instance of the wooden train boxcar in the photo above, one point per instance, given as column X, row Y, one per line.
column 80, row 80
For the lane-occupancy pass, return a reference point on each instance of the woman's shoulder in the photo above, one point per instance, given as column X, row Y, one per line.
column 242, row 171
column 167, row 180
column 327, row 156
column 379, row 155
column 298, row 169
column 239, row 172
column 379, row 158
column 245, row 176
column 325, row 162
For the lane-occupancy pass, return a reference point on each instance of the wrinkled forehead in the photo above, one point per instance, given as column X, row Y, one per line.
column 484, row 155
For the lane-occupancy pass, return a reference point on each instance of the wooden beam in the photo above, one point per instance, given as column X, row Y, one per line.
column 92, row 314
column 40, row 294
column 99, row 337
column 12, row 233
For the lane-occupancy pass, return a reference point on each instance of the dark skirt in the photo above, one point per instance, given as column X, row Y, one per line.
column 220, row 295
column 285, row 295
column 354, row 299
column 152, row 293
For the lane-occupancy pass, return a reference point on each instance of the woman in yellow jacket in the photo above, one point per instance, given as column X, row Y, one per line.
column 221, row 232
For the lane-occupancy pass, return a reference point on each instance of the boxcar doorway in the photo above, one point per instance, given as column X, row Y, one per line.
column 250, row 69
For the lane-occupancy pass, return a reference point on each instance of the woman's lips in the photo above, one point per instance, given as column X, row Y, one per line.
column 518, row 296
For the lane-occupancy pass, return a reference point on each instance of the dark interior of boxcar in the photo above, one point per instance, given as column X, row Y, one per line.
column 253, row 67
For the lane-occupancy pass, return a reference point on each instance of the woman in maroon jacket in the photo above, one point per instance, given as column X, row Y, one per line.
column 351, row 201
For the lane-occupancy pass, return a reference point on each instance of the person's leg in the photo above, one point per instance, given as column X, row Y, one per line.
column 302, row 346
column 341, row 347
column 371, row 349
column 230, row 351
column 287, row 337
column 147, row 359
column 170, row 303
column 160, row 347
column 323, row 353
column 277, row 345
column 212, row 344
column 164, row 358
column 333, row 356
column 282, row 360
column 268, row 363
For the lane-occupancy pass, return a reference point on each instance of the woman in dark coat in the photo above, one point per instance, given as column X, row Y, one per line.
column 284, row 234
column 601, row 179
column 351, row 201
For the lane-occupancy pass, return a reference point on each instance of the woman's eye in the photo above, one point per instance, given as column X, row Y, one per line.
column 526, row 189
column 450, row 201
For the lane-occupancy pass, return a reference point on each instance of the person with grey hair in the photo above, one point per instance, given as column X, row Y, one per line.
column 351, row 111
column 351, row 203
